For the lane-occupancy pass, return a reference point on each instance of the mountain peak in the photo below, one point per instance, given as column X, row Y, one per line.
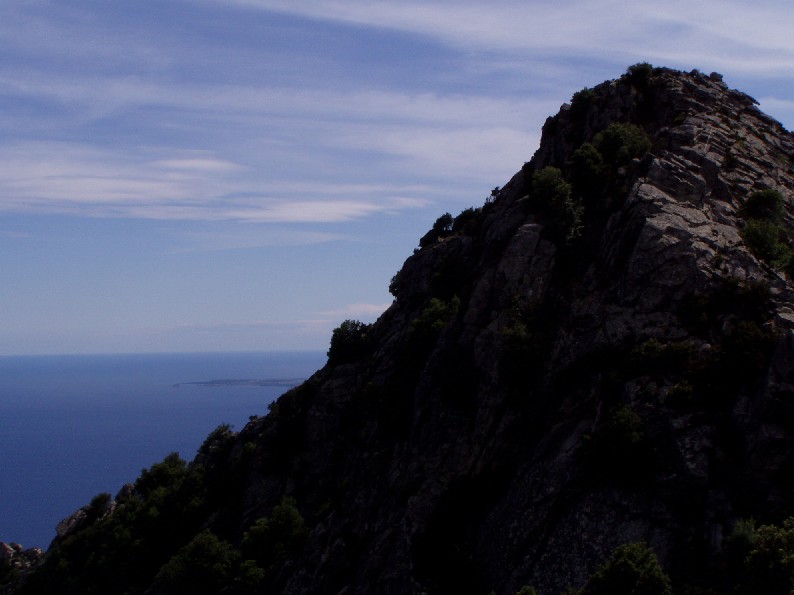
column 598, row 357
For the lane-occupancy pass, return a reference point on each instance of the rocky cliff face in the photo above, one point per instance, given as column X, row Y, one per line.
column 15, row 559
column 601, row 354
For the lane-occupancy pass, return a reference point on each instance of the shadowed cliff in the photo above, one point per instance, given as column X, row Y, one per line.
column 601, row 354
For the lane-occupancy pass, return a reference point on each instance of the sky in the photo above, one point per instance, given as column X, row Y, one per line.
column 244, row 175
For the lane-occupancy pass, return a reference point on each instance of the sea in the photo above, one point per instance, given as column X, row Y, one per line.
column 74, row 426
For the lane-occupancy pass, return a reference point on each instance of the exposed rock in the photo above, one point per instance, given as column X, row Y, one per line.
column 101, row 506
column 15, row 560
column 533, row 399
column 19, row 556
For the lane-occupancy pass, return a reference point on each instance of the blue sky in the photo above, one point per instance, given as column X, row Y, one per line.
column 223, row 175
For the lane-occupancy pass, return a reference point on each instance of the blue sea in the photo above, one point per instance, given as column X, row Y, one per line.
column 74, row 426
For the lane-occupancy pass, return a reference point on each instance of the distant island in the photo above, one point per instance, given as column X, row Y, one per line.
column 287, row 382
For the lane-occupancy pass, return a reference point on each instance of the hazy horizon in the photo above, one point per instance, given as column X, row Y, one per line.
column 165, row 353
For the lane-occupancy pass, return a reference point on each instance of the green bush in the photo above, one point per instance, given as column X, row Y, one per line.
column 770, row 564
column 350, row 342
column 167, row 474
column 218, row 440
column 767, row 240
column 764, row 204
column 738, row 545
column 252, row 577
column 587, row 171
column 552, row 194
column 765, row 233
column 620, row 143
column 639, row 75
column 100, row 505
column 276, row 537
column 549, row 187
column 633, row 569
column 425, row 328
column 467, row 222
column 205, row 565
column 760, row 560
column 394, row 284
column 441, row 228
column 434, row 317
column 580, row 103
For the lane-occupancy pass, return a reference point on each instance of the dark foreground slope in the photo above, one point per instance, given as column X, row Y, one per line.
column 602, row 354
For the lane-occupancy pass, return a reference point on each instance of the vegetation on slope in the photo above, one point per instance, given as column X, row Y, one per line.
column 504, row 426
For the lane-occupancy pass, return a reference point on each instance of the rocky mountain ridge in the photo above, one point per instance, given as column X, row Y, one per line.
column 602, row 354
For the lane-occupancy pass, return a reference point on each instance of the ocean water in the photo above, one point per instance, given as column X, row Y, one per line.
column 74, row 426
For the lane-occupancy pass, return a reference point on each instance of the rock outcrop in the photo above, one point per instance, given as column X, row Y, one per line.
column 16, row 559
column 601, row 354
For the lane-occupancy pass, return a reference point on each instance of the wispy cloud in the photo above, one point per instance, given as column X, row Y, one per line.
column 464, row 153
column 440, row 137
column 245, row 237
column 263, row 106
column 744, row 36
column 413, row 136
column 229, row 125
column 67, row 178
column 196, row 164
